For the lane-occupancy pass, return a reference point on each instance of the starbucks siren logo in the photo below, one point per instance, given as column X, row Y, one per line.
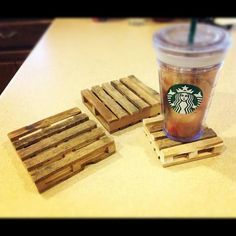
column 184, row 98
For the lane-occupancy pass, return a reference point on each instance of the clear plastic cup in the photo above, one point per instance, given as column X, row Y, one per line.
column 187, row 76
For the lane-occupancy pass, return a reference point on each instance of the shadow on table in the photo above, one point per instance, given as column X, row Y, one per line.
column 19, row 167
column 127, row 129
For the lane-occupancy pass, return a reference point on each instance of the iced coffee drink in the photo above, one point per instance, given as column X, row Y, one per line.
column 187, row 76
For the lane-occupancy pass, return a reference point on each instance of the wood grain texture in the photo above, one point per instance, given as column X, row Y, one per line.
column 71, row 145
column 56, row 139
column 171, row 152
column 53, row 129
column 128, row 106
column 131, row 96
column 60, row 150
column 135, row 87
column 43, row 123
column 109, row 102
column 96, row 148
column 120, row 98
column 149, row 90
column 96, row 106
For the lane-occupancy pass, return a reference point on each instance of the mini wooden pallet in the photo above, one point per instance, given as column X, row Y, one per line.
column 121, row 103
column 171, row 152
column 58, row 147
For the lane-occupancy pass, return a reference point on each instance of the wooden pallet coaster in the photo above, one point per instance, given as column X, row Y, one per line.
column 171, row 152
column 58, row 147
column 121, row 103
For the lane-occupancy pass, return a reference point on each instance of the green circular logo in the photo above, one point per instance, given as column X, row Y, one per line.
column 184, row 98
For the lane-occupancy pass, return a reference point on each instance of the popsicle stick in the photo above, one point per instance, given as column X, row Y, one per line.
column 55, row 139
column 189, row 147
column 127, row 106
column 134, row 86
column 95, row 105
column 90, row 151
column 109, row 102
column 51, row 155
column 149, row 90
column 119, row 98
column 40, row 149
column 171, row 152
column 53, row 129
column 132, row 97
column 43, row 123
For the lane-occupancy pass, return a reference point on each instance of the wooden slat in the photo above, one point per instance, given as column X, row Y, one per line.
column 191, row 147
column 146, row 96
column 55, row 139
column 52, row 146
column 43, row 123
column 55, row 179
column 128, row 107
column 167, row 143
column 100, row 107
column 155, row 126
column 149, row 90
column 69, row 171
column 132, row 97
column 109, row 102
column 185, row 159
column 157, row 135
column 158, row 118
column 53, row 129
column 79, row 155
column 218, row 148
column 119, row 98
column 171, row 152
column 53, row 154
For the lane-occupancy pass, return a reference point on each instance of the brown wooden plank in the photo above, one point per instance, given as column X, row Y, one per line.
column 158, row 118
column 54, row 179
column 53, row 129
column 81, row 155
column 131, row 119
column 146, row 96
column 43, row 123
column 109, row 102
column 149, row 90
column 155, row 126
column 120, row 98
column 53, row 154
column 55, row 139
column 191, row 147
column 132, row 97
column 69, row 171
column 166, row 143
column 90, row 98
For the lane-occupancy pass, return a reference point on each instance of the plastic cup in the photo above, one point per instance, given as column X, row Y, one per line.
column 187, row 76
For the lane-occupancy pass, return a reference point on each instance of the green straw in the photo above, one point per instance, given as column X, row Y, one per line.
column 192, row 30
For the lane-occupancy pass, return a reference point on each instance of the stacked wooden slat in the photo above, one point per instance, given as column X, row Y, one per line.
column 121, row 103
column 58, row 147
column 171, row 152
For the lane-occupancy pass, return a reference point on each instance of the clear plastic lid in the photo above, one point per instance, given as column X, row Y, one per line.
column 209, row 47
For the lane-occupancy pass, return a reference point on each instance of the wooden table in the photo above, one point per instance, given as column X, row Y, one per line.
column 75, row 54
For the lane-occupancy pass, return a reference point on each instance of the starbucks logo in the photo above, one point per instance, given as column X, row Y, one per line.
column 184, row 98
